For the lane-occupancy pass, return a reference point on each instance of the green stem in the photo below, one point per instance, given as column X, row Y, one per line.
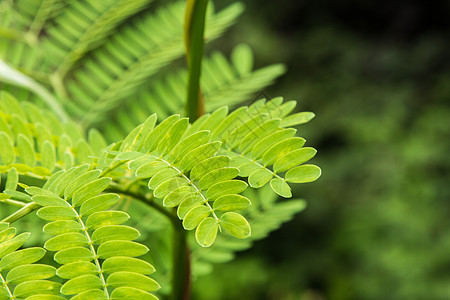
column 30, row 207
column 116, row 188
column 14, row 202
column 194, row 40
column 181, row 265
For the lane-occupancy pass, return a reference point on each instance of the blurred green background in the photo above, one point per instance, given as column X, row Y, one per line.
column 377, row 226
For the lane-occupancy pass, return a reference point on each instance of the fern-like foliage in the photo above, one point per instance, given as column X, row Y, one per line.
column 222, row 81
column 198, row 173
column 265, row 215
column 194, row 167
column 35, row 142
column 96, row 252
column 20, row 276
column 88, row 56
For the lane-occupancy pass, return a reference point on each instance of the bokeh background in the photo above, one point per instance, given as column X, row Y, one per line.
column 377, row 226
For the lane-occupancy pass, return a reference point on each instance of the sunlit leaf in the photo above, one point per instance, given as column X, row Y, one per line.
column 77, row 268
column 235, row 224
column 303, row 174
column 121, row 248
column 80, row 284
column 231, row 202
column 131, row 279
column 206, row 232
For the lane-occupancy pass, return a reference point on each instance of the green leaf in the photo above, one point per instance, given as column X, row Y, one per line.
column 60, row 184
column 129, row 155
column 216, row 176
column 30, row 272
column 173, row 136
column 131, row 264
column 194, row 216
column 189, row 203
column 240, row 132
column 80, row 284
column 187, row 144
column 46, row 200
column 281, row 149
column 62, row 226
column 98, row 203
column 20, row 128
column 7, row 234
column 169, row 185
column 206, row 232
column 89, row 190
column 26, row 150
column 198, row 154
column 297, row 119
column 21, row 257
column 160, row 177
column 77, row 268
column 261, row 147
column 147, row 127
column 176, row 196
column 125, row 293
column 236, row 225
column 215, row 118
column 150, row 169
column 225, row 188
column 246, row 169
column 4, row 128
column 155, row 136
column 103, row 218
column 80, row 181
column 30, row 288
column 131, row 279
column 11, row 180
column 66, row 240
column 44, row 297
column 114, row 232
column 121, row 248
column 41, row 171
column 94, row 294
column 6, row 149
column 304, row 173
column 72, row 255
column 242, row 58
column 54, row 213
column 140, row 161
column 231, row 202
column 294, row 158
column 259, row 178
column 222, row 132
column 33, row 190
column 13, row 244
column 130, row 141
column 96, row 141
column 247, row 143
column 208, row 165
column 280, row 187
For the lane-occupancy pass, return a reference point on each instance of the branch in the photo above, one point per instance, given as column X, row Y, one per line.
column 30, row 207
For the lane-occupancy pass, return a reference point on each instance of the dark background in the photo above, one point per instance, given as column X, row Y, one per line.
column 377, row 225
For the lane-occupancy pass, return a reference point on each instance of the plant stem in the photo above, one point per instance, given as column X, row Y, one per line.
column 181, row 265
column 194, row 40
column 30, row 207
